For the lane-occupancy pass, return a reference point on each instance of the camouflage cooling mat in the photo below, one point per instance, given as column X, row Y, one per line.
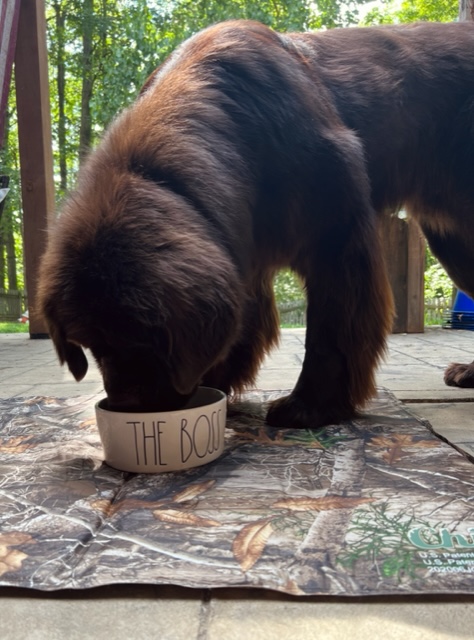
column 374, row 506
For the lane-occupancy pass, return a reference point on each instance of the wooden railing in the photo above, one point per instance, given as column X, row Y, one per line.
column 12, row 305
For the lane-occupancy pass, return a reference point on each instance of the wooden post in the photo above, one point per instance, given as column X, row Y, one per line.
column 34, row 132
column 404, row 250
column 9, row 10
column 415, row 322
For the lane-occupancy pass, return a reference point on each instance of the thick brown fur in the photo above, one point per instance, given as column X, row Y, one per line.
column 249, row 151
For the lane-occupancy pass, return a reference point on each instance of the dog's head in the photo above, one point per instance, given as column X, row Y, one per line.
column 138, row 279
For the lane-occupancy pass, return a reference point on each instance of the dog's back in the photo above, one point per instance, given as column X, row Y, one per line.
column 408, row 93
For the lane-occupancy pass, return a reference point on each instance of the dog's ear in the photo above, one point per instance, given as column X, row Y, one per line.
column 50, row 286
column 197, row 350
column 76, row 360
column 202, row 338
column 185, row 380
column 68, row 353
column 190, row 361
column 194, row 299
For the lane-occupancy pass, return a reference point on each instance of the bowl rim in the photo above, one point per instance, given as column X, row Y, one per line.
column 222, row 396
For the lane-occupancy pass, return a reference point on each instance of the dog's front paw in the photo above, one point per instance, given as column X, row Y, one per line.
column 460, row 375
column 291, row 412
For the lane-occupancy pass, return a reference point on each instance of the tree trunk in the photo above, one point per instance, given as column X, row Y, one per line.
column 2, row 259
column 34, row 138
column 85, row 131
column 466, row 9
column 11, row 260
column 4, row 182
column 61, row 87
column 316, row 554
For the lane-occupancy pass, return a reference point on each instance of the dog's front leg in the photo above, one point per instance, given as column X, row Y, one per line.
column 350, row 305
column 322, row 394
column 349, row 315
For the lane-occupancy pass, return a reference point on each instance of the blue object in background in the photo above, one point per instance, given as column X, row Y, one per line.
column 462, row 314
column 463, row 302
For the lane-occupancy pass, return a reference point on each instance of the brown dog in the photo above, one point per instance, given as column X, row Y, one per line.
column 249, row 151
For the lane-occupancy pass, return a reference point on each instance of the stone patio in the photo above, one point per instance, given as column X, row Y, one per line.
column 413, row 371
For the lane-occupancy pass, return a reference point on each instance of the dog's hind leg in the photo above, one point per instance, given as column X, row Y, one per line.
column 259, row 334
column 455, row 250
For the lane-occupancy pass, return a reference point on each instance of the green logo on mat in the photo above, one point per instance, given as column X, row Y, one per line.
column 429, row 538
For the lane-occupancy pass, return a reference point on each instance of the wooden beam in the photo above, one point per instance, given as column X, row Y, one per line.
column 394, row 242
column 415, row 322
column 404, row 250
column 34, row 132
column 9, row 10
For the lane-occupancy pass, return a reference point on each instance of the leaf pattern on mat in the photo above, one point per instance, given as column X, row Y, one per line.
column 15, row 445
column 175, row 516
column 129, row 504
column 86, row 424
column 37, row 400
column 395, row 444
column 250, row 542
column 261, row 437
column 186, row 496
column 103, row 505
column 325, row 503
column 11, row 559
column 193, row 491
column 277, row 439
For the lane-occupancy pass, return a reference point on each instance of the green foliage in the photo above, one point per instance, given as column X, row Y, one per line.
column 287, row 287
column 390, row 11
column 189, row 16
column 13, row 327
column 11, row 221
column 329, row 14
column 129, row 39
column 125, row 38
column 437, row 283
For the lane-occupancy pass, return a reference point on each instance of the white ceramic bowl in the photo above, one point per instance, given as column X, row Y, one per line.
column 165, row 441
